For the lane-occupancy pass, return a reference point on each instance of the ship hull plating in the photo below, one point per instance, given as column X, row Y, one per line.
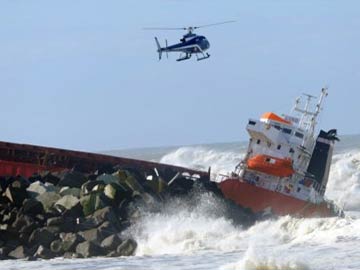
column 262, row 200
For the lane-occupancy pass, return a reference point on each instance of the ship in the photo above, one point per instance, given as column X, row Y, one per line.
column 286, row 167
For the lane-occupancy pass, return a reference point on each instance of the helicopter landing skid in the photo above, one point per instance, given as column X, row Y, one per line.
column 186, row 57
column 205, row 56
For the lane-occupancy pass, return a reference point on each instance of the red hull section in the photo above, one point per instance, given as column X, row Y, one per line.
column 25, row 160
column 259, row 199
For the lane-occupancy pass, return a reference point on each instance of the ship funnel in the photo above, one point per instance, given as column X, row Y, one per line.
column 320, row 161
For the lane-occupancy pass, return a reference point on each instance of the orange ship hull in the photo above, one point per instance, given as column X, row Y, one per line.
column 259, row 199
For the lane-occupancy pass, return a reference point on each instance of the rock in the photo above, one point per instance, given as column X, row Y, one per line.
column 115, row 192
column 111, row 242
column 106, row 214
column 107, row 228
column 70, row 241
column 48, row 199
column 127, row 248
column 92, row 235
column 108, row 178
column 32, row 206
column 71, row 255
column 48, row 177
column 42, row 236
column 90, row 203
column 37, row 188
column 88, row 249
column 4, row 251
column 44, row 253
column 67, row 202
column 70, row 191
column 65, row 224
column 88, row 187
column 72, row 180
column 56, row 247
column 19, row 253
column 21, row 222
column 16, row 194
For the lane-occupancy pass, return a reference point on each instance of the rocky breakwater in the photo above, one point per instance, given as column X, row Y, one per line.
column 74, row 215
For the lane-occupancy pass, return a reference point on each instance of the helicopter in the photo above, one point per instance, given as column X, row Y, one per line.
column 190, row 43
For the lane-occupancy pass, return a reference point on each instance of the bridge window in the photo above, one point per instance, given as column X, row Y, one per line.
column 299, row 135
column 291, row 150
column 279, row 147
column 286, row 130
column 253, row 123
column 258, row 141
column 277, row 127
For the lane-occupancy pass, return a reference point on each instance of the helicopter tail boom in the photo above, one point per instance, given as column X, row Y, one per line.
column 159, row 50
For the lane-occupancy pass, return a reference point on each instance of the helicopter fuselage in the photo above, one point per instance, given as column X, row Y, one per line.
column 190, row 43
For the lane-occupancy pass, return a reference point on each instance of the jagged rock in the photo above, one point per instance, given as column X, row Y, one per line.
column 67, row 202
column 19, row 253
column 48, row 177
column 115, row 192
column 107, row 228
column 111, row 242
column 63, row 224
column 44, row 253
column 105, row 214
column 22, row 221
column 16, row 193
column 89, row 249
column 72, row 180
column 4, row 251
column 70, row 241
column 92, row 235
column 9, row 218
column 92, row 202
column 70, row 191
column 37, row 188
column 88, row 187
column 127, row 248
column 32, row 206
column 108, row 178
column 42, row 236
column 121, row 175
column 48, row 199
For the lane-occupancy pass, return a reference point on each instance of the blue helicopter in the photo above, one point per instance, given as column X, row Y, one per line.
column 190, row 43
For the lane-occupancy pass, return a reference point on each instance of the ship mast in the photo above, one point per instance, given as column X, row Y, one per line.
column 308, row 117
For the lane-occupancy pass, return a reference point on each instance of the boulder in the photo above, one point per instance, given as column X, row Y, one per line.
column 115, row 192
column 16, row 194
column 67, row 202
column 48, row 199
column 19, row 253
column 93, row 235
column 65, row 224
column 72, row 179
column 89, row 249
column 32, row 206
column 92, row 202
column 88, row 187
column 111, row 242
column 37, row 188
column 42, row 236
column 44, row 253
column 127, row 248
column 70, row 191
column 108, row 178
column 70, row 241
column 105, row 214
column 48, row 177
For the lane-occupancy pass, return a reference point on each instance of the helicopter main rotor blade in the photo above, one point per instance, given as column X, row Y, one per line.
column 213, row 24
column 164, row 28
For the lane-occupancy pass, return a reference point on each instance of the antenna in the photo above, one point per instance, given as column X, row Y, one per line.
column 308, row 117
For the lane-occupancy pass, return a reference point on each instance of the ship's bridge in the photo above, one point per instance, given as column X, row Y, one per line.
column 275, row 136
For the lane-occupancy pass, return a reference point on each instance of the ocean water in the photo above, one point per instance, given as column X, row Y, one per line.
column 193, row 234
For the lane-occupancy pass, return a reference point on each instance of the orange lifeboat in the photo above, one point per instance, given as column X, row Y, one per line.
column 271, row 165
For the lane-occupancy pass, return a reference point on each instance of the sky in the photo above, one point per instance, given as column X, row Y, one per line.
column 84, row 74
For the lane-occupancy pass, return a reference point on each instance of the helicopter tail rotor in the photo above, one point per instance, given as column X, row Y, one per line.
column 166, row 45
column 159, row 50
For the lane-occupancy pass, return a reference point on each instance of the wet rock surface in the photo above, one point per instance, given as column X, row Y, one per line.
column 75, row 215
